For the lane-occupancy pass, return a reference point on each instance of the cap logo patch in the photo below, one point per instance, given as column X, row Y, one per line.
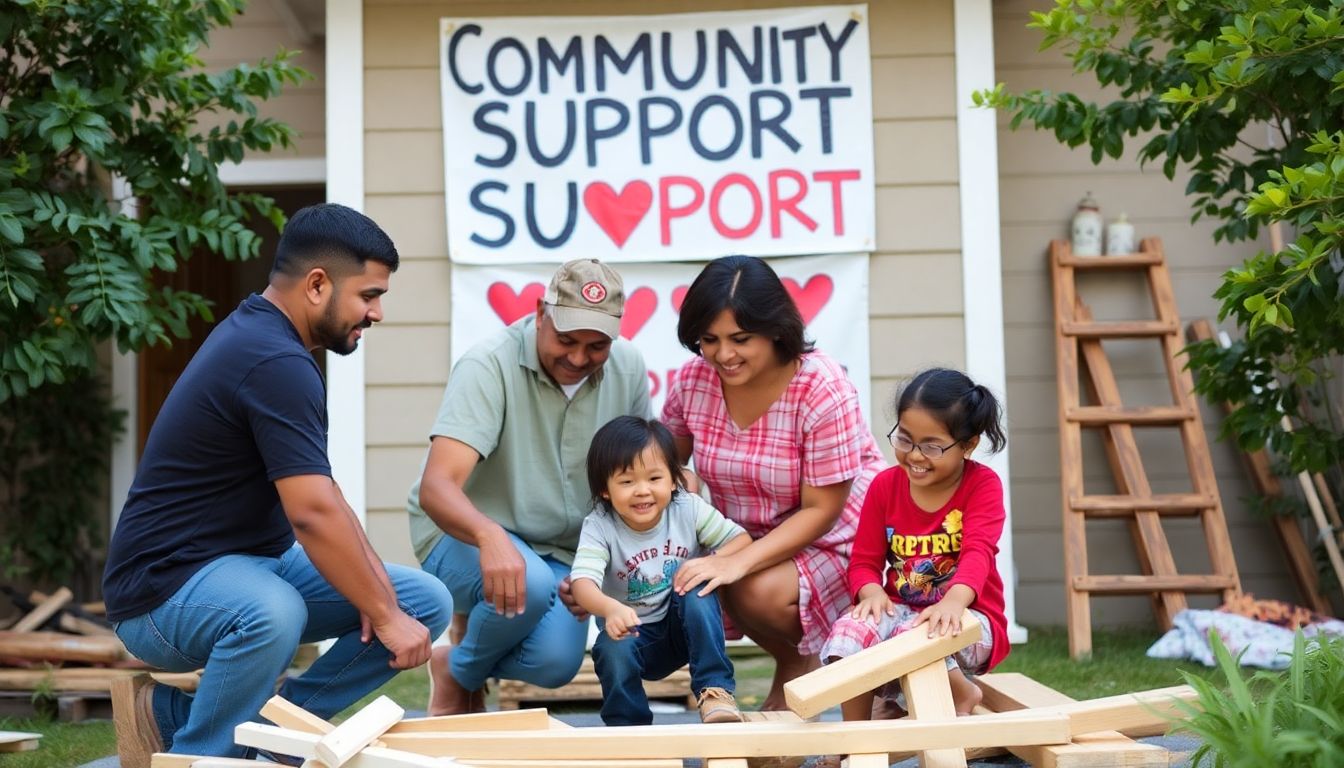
column 593, row 292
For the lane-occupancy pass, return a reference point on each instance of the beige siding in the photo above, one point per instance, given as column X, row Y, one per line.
column 917, row 210
column 1040, row 184
column 259, row 34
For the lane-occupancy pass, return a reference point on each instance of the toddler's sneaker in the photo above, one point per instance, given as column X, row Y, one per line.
column 718, row 706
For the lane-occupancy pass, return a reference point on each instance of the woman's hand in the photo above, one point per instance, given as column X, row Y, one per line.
column 945, row 615
column 713, row 571
column 622, row 621
column 872, row 602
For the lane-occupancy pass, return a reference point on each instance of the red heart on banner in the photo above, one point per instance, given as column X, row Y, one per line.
column 812, row 297
column 618, row 214
column 639, row 306
column 678, row 296
column 509, row 305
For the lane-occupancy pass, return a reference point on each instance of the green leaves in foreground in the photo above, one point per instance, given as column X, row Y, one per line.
column 1284, row 719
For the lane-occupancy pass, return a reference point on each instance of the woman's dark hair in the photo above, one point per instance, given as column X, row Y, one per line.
column 618, row 444
column 758, row 300
column 967, row 409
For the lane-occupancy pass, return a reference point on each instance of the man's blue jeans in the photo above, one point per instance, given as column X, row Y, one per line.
column 543, row 645
column 690, row 633
column 242, row 617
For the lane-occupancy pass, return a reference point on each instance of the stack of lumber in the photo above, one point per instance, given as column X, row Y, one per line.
column 1020, row 716
column 57, row 649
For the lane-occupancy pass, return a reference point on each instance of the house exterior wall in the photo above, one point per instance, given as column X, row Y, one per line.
column 1041, row 182
column 408, row 357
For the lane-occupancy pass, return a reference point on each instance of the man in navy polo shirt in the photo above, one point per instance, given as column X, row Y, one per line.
column 204, row 569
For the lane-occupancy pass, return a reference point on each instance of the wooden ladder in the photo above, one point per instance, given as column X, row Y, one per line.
column 1078, row 342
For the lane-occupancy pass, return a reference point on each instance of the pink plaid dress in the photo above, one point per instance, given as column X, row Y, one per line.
column 814, row 434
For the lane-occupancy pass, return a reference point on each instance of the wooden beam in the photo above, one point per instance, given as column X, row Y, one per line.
column 1140, row 709
column 1011, row 691
column 85, row 679
column 304, row 745
column 57, row 646
column 361, row 729
column 287, row 714
column 165, row 760
column 742, row 739
column 18, row 741
column 48, row 608
column 511, row 720
column 821, row 689
column 928, row 695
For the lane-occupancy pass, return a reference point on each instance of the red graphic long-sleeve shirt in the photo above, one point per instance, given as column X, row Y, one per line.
column 917, row 556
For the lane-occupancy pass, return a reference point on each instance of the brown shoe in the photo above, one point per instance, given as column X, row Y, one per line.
column 718, row 706
column 138, row 736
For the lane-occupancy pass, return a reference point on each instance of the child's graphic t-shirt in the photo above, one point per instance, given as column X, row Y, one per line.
column 917, row 556
column 636, row 567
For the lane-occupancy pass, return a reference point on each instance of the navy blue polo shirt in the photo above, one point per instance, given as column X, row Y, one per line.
column 249, row 409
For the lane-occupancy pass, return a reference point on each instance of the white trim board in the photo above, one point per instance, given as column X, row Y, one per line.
column 344, row 79
column 981, row 258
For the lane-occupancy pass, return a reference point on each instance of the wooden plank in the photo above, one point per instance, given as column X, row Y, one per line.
column 304, row 745
column 1129, row 584
column 68, row 622
column 867, row 760
column 85, row 679
column 823, row 688
column 1119, row 329
column 928, row 696
column 512, row 720
column 48, row 608
column 1097, row 505
column 287, row 714
column 341, row 744
column 57, row 646
column 1139, row 709
column 1012, row 691
column 744, row 739
column 1149, row 415
column 18, row 741
column 561, row 725
column 165, row 760
column 1126, row 262
column 740, row 762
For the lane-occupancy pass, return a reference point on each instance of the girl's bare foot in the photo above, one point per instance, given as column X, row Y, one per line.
column 965, row 694
column 447, row 696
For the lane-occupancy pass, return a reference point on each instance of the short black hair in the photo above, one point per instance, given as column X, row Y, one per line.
column 967, row 409
column 758, row 300
column 616, row 446
column 334, row 237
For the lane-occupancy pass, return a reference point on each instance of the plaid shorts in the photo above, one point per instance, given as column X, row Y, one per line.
column 849, row 636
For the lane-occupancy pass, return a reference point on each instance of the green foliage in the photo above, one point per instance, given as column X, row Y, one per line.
column 55, row 443
column 1249, row 94
column 1288, row 719
column 99, row 88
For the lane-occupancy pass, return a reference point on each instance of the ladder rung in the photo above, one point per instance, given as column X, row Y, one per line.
column 1095, row 415
column 1142, row 585
column 1124, row 506
column 1119, row 329
column 1126, row 261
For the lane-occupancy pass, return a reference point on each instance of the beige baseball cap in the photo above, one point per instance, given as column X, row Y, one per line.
column 586, row 295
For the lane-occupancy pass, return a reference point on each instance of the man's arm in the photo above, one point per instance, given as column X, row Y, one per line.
column 375, row 562
column 503, row 572
column 334, row 541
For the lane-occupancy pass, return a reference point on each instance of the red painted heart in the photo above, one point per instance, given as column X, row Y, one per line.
column 678, row 296
column 509, row 305
column 639, row 306
column 618, row 214
column 812, row 297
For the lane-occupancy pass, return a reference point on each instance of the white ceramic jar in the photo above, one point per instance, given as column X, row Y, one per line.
column 1120, row 237
column 1087, row 227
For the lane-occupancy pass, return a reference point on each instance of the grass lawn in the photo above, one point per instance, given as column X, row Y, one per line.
column 1118, row 665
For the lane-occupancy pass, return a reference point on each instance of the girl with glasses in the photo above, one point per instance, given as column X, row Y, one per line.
column 928, row 534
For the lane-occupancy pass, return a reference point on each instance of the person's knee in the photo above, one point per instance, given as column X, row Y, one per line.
column 693, row 605
column 274, row 619
column 542, row 588
column 423, row 597
column 616, row 659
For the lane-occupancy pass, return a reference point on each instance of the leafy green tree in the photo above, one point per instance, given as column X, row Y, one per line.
column 96, row 96
column 1248, row 97
column 95, row 88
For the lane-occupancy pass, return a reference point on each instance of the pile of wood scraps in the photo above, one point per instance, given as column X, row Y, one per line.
column 1020, row 716
column 57, row 651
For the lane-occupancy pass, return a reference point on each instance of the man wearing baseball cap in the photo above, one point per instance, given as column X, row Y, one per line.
column 497, row 511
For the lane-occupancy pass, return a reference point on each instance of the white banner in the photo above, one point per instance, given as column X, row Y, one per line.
column 658, row 138
column 831, row 293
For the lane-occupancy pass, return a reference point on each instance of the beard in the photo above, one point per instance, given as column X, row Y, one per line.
column 335, row 335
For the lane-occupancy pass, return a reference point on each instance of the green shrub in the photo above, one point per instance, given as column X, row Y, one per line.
column 1287, row 719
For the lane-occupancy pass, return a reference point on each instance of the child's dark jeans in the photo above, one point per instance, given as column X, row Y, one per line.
column 690, row 633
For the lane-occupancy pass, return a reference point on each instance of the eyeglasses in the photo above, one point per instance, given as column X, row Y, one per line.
column 905, row 445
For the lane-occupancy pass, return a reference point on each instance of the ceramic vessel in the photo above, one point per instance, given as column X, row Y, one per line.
column 1120, row 237
column 1087, row 228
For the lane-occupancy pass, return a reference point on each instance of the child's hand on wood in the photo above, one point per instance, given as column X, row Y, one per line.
column 622, row 622
column 873, row 602
column 945, row 615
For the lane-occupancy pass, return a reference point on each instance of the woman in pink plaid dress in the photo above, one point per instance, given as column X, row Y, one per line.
column 776, row 432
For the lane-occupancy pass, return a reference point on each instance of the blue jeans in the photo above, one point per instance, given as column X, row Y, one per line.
column 543, row 645
column 242, row 617
column 690, row 633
